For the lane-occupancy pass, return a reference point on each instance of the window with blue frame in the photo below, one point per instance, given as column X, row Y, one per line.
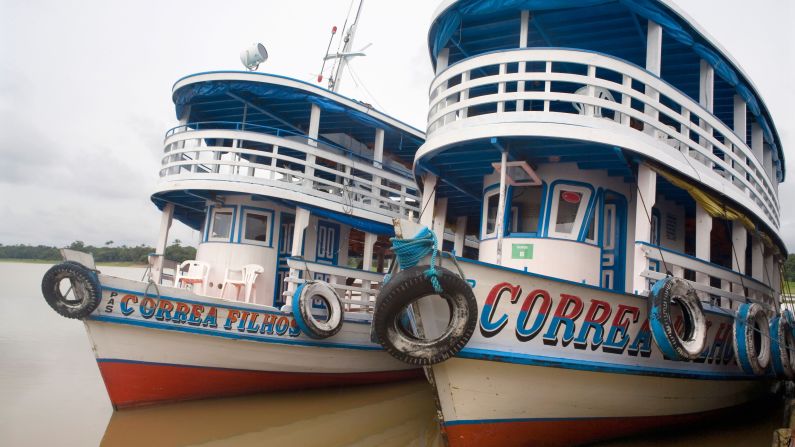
column 526, row 202
column 491, row 204
column 568, row 211
column 256, row 227
column 221, row 224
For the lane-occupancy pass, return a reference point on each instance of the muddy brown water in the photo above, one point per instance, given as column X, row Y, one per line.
column 51, row 393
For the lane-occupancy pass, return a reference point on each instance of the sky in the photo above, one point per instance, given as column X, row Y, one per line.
column 85, row 92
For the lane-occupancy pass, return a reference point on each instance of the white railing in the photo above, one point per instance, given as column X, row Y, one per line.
column 508, row 82
column 731, row 282
column 358, row 296
column 290, row 162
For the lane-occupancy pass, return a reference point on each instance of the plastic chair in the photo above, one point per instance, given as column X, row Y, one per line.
column 600, row 93
column 245, row 277
column 192, row 273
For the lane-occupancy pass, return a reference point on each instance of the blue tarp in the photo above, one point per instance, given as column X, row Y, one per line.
column 186, row 95
column 450, row 21
column 365, row 225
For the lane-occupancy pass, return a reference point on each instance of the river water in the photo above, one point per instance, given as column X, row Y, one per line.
column 51, row 393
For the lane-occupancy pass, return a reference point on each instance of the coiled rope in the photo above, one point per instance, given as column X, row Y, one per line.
column 409, row 252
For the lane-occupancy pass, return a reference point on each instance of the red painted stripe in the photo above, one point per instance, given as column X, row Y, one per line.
column 135, row 384
column 553, row 433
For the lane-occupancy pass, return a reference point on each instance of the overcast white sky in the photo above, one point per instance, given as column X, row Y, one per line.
column 85, row 92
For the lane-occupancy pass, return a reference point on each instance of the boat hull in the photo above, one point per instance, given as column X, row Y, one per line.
column 150, row 349
column 554, row 362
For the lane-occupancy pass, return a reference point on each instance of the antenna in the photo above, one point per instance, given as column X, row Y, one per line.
column 346, row 53
column 323, row 67
column 254, row 55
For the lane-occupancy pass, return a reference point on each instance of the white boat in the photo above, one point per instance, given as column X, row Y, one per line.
column 621, row 174
column 289, row 184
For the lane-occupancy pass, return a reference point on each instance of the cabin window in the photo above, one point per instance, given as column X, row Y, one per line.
column 256, row 227
column 526, row 209
column 221, row 225
column 568, row 211
column 490, row 206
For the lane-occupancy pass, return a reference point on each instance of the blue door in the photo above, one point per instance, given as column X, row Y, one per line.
column 328, row 245
column 613, row 241
column 285, row 245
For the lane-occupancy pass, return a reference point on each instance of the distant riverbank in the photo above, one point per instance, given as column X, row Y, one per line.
column 52, row 261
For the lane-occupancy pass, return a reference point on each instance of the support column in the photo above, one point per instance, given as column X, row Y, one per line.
column 739, row 245
column 367, row 260
column 706, row 97
column 441, row 60
column 378, row 158
column 500, row 220
column 166, row 217
column 757, row 142
column 439, row 219
column 757, row 259
column 703, row 240
column 653, row 64
column 314, row 130
column 427, row 203
column 460, row 235
column 301, row 222
column 767, row 160
column 740, row 117
column 644, row 201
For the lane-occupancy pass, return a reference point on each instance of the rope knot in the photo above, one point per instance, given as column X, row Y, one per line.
column 409, row 252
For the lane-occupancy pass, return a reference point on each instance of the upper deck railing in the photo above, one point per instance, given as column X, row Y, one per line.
column 534, row 81
column 289, row 161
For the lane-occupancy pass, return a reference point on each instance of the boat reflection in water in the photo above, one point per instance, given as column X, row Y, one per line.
column 400, row 414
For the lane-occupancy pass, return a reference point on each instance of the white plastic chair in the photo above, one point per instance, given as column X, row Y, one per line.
column 192, row 273
column 245, row 277
column 600, row 93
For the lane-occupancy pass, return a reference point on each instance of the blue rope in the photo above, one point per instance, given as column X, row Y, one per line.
column 410, row 252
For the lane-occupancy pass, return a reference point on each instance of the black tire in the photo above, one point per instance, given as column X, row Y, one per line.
column 85, row 285
column 407, row 287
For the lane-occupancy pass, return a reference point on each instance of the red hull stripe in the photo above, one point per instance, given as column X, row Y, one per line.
column 556, row 432
column 140, row 383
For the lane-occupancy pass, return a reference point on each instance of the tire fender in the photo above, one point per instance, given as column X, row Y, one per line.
column 84, row 286
column 302, row 309
column 407, row 287
column 782, row 341
column 750, row 318
column 689, row 345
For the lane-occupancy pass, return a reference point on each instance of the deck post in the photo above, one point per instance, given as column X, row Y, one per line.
column 757, row 142
column 703, row 240
column 439, row 219
column 653, row 64
column 166, row 217
column 367, row 260
column 378, row 158
column 757, row 259
column 739, row 245
column 314, row 131
column 706, row 97
column 297, row 250
column 645, row 198
column 460, row 235
column 740, row 117
column 499, row 222
column 428, row 198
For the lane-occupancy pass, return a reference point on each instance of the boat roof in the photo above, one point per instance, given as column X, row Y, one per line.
column 480, row 26
column 284, row 103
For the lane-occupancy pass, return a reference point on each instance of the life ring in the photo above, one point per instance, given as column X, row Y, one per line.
column 407, row 287
column 782, row 344
column 302, row 309
column 689, row 344
column 751, row 338
column 83, row 285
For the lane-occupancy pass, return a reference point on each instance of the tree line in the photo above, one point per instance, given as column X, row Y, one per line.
column 106, row 253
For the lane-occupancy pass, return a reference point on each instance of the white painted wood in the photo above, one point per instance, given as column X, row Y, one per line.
column 703, row 243
column 757, row 142
column 654, row 48
column 706, row 86
column 314, row 126
column 460, row 235
column 724, row 174
column 428, row 199
column 439, row 219
column 739, row 243
column 500, row 220
column 740, row 117
column 301, row 223
column 378, row 148
column 441, row 60
column 757, row 259
column 645, row 196
column 523, row 28
column 166, row 217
